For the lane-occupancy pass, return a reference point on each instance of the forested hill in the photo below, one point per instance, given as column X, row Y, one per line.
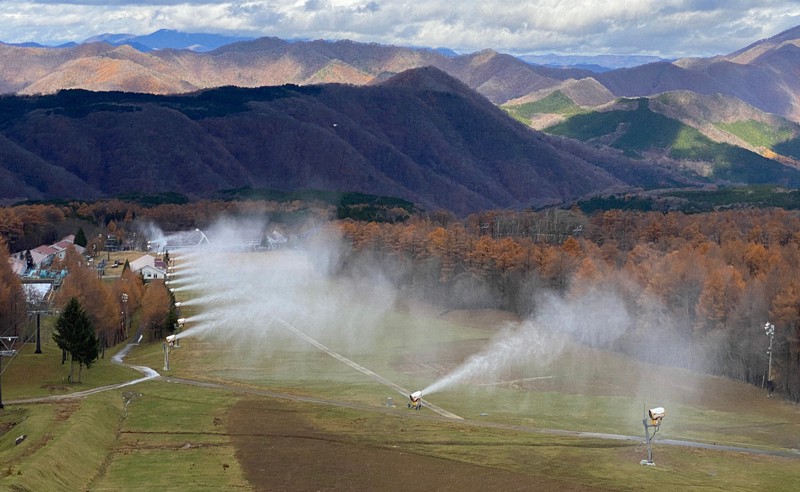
column 421, row 135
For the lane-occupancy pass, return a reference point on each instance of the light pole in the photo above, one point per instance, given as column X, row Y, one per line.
column 769, row 330
column 124, row 316
column 203, row 237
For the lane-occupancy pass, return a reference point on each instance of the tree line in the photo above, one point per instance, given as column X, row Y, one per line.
column 705, row 282
column 703, row 285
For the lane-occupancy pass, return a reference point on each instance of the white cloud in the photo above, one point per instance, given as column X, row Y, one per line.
column 663, row 27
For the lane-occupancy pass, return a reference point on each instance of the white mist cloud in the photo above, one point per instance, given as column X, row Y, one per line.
column 246, row 300
column 527, row 343
column 595, row 318
column 668, row 28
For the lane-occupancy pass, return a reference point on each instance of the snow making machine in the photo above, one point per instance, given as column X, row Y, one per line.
column 415, row 400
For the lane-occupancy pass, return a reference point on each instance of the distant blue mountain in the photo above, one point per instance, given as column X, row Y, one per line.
column 595, row 63
column 31, row 44
column 169, row 38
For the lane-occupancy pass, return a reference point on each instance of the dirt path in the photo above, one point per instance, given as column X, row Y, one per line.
column 280, row 450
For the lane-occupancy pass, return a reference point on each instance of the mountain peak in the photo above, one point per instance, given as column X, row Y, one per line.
column 428, row 78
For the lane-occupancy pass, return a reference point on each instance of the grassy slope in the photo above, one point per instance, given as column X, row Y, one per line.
column 554, row 103
column 781, row 139
column 170, row 436
column 66, row 444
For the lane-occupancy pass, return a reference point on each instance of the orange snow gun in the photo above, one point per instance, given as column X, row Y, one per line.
column 416, row 400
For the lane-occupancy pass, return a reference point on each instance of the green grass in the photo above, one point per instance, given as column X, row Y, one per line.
column 555, row 103
column 31, row 375
column 759, row 134
column 66, row 444
column 173, row 436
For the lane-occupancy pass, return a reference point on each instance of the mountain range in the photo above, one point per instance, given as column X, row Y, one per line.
column 421, row 135
column 421, row 124
column 762, row 74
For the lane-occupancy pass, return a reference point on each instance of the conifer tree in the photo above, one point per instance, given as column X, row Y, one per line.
column 80, row 238
column 75, row 335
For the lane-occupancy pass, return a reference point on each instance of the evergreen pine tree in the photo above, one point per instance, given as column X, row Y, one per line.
column 80, row 238
column 75, row 335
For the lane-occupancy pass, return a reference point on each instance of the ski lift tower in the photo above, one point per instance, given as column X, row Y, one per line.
column 651, row 420
column 7, row 350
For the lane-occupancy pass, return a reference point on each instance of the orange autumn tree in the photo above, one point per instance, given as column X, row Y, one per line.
column 127, row 290
column 721, row 293
column 156, row 304
column 13, row 309
column 83, row 283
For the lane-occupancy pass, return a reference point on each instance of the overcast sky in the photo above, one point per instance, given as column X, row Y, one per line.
column 668, row 28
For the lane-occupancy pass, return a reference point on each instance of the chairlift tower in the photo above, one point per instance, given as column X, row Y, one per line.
column 7, row 350
column 39, row 314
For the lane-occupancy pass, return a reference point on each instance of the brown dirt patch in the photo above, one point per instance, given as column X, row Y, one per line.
column 279, row 450
column 65, row 409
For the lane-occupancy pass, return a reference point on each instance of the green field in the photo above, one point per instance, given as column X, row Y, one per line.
column 521, row 420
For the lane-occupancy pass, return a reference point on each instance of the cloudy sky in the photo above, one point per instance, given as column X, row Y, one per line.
column 668, row 28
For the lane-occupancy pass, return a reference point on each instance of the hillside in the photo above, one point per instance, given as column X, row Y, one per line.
column 641, row 133
column 422, row 136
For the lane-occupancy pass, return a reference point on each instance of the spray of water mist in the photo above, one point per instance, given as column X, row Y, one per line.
column 248, row 301
column 594, row 318
column 523, row 343
column 240, row 296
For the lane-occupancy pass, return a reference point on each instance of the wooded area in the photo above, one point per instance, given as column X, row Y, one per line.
column 698, row 288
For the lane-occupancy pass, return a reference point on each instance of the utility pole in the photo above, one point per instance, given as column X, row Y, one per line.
column 38, row 333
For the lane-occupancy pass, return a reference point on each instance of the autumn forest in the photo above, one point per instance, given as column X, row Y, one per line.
column 696, row 289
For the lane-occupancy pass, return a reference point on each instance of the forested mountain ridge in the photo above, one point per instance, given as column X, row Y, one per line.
column 422, row 136
column 404, row 137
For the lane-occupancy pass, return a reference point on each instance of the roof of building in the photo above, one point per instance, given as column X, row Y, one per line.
column 143, row 261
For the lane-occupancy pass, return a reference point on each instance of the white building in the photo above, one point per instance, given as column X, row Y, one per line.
column 149, row 267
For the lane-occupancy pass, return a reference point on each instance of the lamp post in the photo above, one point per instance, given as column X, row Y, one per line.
column 124, row 316
column 203, row 237
column 769, row 330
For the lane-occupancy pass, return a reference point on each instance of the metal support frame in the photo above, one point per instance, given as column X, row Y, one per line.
column 7, row 351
